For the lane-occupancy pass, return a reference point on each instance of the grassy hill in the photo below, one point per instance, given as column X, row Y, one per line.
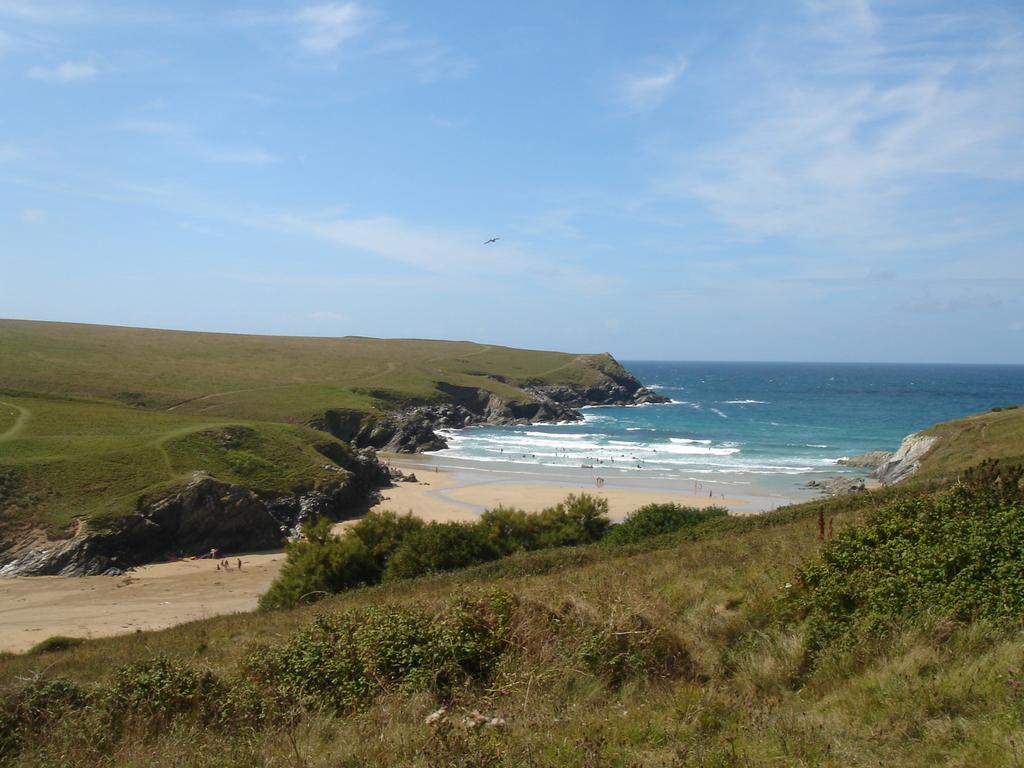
column 997, row 434
column 94, row 417
column 268, row 378
column 687, row 650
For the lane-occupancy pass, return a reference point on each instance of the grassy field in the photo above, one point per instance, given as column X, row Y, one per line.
column 587, row 683
column 94, row 417
column 91, row 459
column 995, row 434
column 269, row 378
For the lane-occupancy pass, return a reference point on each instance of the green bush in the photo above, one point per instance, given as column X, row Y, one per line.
column 157, row 690
column 55, row 643
column 343, row 660
column 960, row 552
column 440, row 547
column 383, row 532
column 656, row 519
column 29, row 712
column 510, row 530
column 386, row 546
column 322, row 564
column 578, row 520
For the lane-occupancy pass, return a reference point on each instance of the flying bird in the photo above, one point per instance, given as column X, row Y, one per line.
column 492, row 240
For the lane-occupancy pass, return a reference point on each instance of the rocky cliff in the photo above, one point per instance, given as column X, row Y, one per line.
column 414, row 429
column 907, row 459
column 203, row 514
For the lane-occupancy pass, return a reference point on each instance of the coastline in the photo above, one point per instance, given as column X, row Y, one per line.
column 457, row 489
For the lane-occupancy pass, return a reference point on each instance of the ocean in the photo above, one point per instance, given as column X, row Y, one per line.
column 746, row 428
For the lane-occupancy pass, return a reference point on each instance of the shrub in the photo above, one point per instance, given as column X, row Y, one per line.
column 578, row 520
column 343, row 660
column 960, row 552
column 440, row 547
column 157, row 690
column 387, row 546
column 657, row 519
column 383, row 532
column 55, row 643
column 32, row 710
column 321, row 564
column 511, row 530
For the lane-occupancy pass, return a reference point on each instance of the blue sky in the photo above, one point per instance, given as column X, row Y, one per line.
column 716, row 181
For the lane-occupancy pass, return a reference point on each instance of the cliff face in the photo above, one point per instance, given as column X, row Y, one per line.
column 906, row 461
column 205, row 513
column 413, row 430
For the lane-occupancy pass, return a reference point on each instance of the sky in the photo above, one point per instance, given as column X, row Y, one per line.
column 810, row 180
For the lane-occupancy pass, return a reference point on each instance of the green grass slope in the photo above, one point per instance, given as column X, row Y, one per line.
column 269, row 378
column 962, row 443
column 681, row 651
column 90, row 459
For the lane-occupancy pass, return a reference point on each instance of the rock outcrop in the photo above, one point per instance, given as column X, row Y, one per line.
column 414, row 429
column 888, row 467
column 204, row 514
column 870, row 460
column 907, row 459
column 839, row 486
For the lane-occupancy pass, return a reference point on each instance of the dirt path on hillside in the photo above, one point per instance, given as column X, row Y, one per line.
column 24, row 416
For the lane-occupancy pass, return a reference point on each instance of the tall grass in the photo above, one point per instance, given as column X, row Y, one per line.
column 679, row 652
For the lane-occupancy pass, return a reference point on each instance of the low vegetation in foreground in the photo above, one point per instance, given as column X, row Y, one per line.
column 729, row 642
column 385, row 547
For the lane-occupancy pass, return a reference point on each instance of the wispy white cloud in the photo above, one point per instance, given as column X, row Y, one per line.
column 44, row 11
column 949, row 304
column 32, row 215
column 854, row 145
column 183, row 138
column 326, row 27
column 345, row 31
column 82, row 13
column 434, row 62
column 648, row 89
column 839, row 18
column 426, row 248
column 65, row 72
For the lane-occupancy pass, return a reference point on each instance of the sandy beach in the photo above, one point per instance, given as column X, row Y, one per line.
column 445, row 492
column 162, row 595
column 33, row 608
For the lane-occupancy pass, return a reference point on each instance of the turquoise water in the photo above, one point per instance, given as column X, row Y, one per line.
column 762, row 425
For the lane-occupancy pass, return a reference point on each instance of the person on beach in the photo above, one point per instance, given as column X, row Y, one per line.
column 239, row 563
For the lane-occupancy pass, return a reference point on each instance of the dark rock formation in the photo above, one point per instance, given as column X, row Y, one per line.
column 206, row 513
column 838, row 486
column 414, row 429
column 869, row 460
